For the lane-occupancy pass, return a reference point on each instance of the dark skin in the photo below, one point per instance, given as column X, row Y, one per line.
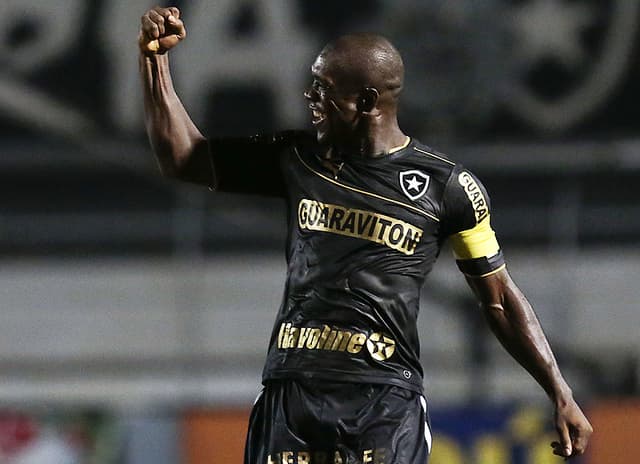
column 353, row 99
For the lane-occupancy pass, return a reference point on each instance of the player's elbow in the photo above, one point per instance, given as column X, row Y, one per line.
column 493, row 309
column 191, row 166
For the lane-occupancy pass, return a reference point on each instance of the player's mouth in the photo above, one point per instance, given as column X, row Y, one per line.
column 317, row 117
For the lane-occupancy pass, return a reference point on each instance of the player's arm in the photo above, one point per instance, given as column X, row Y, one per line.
column 180, row 148
column 513, row 321
column 511, row 318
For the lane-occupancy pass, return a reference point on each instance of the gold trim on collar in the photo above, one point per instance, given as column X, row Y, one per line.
column 400, row 147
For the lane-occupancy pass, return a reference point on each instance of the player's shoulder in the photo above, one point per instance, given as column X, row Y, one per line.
column 439, row 165
column 431, row 154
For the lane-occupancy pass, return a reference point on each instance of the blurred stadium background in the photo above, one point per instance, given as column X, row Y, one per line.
column 135, row 311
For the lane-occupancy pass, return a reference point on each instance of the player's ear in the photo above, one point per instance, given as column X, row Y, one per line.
column 368, row 99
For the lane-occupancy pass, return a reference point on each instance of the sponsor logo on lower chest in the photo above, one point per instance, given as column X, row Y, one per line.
column 325, row 338
column 375, row 227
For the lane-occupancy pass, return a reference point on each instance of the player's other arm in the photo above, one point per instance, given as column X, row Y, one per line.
column 513, row 321
column 467, row 209
column 179, row 147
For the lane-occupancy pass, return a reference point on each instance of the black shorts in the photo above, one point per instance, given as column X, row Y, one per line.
column 316, row 422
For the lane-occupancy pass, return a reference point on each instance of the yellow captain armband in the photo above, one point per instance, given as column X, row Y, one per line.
column 476, row 250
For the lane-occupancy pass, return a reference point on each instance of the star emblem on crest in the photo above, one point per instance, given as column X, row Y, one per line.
column 414, row 183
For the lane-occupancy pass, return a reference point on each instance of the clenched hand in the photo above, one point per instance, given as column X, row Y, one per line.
column 161, row 29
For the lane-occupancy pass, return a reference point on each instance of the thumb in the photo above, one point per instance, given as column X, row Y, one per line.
column 565, row 439
column 169, row 41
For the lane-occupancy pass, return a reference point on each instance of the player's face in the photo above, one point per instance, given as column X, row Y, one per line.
column 333, row 110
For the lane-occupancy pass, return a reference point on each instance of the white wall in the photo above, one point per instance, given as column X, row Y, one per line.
column 130, row 331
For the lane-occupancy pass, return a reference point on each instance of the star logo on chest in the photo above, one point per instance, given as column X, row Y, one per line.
column 414, row 183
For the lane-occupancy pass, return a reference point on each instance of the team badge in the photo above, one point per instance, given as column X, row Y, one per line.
column 414, row 183
column 551, row 63
column 584, row 71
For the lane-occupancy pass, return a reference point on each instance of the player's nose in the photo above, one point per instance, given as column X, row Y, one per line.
column 310, row 94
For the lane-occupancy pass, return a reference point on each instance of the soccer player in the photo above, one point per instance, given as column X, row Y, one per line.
column 369, row 209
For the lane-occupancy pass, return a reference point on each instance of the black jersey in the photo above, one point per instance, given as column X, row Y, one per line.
column 363, row 233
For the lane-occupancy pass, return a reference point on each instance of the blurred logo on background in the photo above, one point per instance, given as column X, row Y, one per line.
column 70, row 69
column 568, row 57
column 550, row 63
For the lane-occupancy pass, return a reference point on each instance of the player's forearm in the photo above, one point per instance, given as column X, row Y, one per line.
column 175, row 139
column 515, row 324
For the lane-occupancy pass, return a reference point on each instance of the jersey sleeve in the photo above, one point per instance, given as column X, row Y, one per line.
column 467, row 224
column 251, row 165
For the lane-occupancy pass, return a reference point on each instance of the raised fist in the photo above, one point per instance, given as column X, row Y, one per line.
column 160, row 30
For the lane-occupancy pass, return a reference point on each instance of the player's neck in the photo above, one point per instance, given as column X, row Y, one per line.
column 377, row 141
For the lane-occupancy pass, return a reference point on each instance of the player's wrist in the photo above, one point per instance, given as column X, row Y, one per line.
column 158, row 61
column 562, row 396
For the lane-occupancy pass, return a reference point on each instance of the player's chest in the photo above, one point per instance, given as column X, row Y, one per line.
column 391, row 205
column 408, row 190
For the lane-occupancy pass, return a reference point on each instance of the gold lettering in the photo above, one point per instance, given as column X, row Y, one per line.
column 280, row 336
column 313, row 213
column 351, row 222
column 372, row 229
column 303, row 213
column 304, row 457
column 465, row 179
column 356, row 343
column 362, row 223
column 475, row 195
column 333, row 339
column 304, row 334
column 336, row 218
column 411, row 241
column 314, row 336
column 395, row 234
column 330, row 339
column 384, row 223
column 270, row 460
column 323, row 220
column 287, row 457
column 337, row 459
column 366, row 456
column 294, row 333
column 341, row 341
column 323, row 336
column 285, row 337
